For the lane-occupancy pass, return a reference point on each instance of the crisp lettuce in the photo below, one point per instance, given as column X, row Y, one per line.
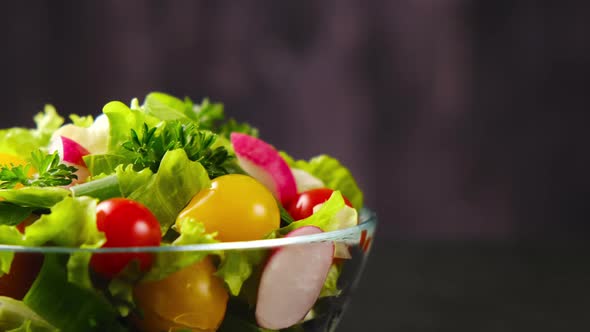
column 167, row 107
column 168, row 191
column 22, row 141
column 71, row 223
column 98, row 164
column 324, row 218
column 122, row 119
column 166, row 263
column 237, row 266
column 82, row 121
column 37, row 197
column 332, row 173
column 68, row 306
column 15, row 316
column 330, row 287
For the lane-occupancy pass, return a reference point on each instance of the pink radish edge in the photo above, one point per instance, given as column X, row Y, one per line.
column 71, row 153
column 264, row 163
column 292, row 280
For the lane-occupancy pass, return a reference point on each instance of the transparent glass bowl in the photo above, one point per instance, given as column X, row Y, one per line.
column 69, row 307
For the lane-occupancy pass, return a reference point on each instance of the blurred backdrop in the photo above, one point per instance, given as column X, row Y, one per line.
column 460, row 119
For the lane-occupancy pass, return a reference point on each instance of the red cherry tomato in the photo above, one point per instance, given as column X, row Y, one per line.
column 302, row 205
column 126, row 223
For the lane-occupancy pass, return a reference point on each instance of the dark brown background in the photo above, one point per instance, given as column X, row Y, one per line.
column 462, row 120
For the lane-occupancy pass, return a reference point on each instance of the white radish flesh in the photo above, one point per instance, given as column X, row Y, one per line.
column 292, row 280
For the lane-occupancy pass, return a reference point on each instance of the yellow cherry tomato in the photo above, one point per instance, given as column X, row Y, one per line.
column 237, row 207
column 190, row 299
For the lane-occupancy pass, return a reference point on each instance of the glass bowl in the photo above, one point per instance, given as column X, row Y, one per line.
column 44, row 290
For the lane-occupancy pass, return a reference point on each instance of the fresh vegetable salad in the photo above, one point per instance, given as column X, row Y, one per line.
column 165, row 172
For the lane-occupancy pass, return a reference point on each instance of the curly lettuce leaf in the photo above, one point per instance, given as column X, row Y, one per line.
column 22, row 141
column 325, row 218
column 166, row 263
column 122, row 119
column 166, row 107
column 98, row 164
column 36, row 197
column 68, row 306
column 15, row 316
column 168, row 191
column 82, row 121
column 332, row 173
column 71, row 223
column 237, row 266
column 330, row 287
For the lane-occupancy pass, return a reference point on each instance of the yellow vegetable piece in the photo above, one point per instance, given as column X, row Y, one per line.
column 237, row 207
column 192, row 298
column 9, row 160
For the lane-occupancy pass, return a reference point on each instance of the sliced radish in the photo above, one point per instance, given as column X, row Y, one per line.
column 291, row 281
column 305, row 181
column 71, row 153
column 264, row 163
column 94, row 138
column 69, row 150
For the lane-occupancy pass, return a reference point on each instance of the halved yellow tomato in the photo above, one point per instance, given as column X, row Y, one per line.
column 190, row 299
column 237, row 207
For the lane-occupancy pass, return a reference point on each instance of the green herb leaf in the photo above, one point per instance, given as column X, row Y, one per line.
column 51, row 172
column 148, row 146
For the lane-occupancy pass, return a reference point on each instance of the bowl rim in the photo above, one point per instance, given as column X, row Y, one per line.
column 351, row 235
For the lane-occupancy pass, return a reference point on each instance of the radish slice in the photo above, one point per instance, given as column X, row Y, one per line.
column 69, row 150
column 94, row 138
column 71, row 153
column 292, row 280
column 264, row 163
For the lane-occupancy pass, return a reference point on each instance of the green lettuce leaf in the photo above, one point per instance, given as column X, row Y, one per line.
column 237, row 266
column 82, row 121
column 16, row 316
column 67, row 306
column 168, row 191
column 98, row 164
column 6, row 258
column 71, row 223
column 332, row 173
column 330, row 287
column 37, row 197
column 22, row 141
column 122, row 119
column 166, row 263
column 166, row 107
column 324, row 218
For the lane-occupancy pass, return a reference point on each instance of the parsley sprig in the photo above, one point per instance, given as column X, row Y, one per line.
column 149, row 146
column 51, row 172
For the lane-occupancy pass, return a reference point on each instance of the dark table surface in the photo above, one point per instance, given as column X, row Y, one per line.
column 479, row 286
